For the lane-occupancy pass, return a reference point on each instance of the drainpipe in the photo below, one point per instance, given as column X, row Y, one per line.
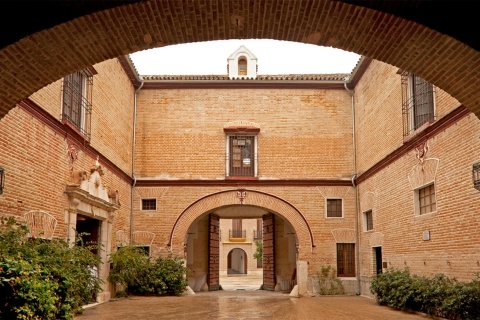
column 133, row 158
column 357, row 238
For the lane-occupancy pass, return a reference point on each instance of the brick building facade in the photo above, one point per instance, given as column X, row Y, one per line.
column 328, row 158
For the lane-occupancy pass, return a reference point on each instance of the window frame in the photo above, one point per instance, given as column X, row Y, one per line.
column 368, row 222
column 418, row 198
column 241, row 132
column 242, row 61
column 148, row 199
column 341, row 209
column 411, row 105
column 345, row 254
column 146, row 249
column 237, row 228
column 76, row 101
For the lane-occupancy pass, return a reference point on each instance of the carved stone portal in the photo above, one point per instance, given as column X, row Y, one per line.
column 91, row 200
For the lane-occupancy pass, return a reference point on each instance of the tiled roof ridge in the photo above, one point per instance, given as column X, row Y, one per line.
column 285, row 77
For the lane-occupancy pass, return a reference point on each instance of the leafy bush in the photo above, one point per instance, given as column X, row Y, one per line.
column 43, row 279
column 130, row 265
column 438, row 296
column 134, row 269
column 328, row 282
column 258, row 255
column 464, row 302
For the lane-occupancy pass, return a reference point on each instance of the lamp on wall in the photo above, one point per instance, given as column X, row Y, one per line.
column 476, row 175
column 2, row 179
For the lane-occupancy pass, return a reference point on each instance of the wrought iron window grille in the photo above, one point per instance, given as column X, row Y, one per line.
column 2, row 179
column 417, row 102
column 77, row 101
column 476, row 175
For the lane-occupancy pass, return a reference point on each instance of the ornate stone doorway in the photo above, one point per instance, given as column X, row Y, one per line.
column 91, row 212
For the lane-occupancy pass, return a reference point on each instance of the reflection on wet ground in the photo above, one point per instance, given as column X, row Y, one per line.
column 244, row 304
column 241, row 282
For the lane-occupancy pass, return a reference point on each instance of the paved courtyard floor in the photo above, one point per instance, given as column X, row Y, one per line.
column 241, row 300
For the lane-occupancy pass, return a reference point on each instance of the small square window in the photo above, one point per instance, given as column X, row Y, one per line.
column 334, row 208
column 145, row 249
column 368, row 220
column 425, row 200
column 149, row 204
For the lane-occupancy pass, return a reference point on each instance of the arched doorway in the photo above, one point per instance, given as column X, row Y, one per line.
column 213, row 252
column 237, row 261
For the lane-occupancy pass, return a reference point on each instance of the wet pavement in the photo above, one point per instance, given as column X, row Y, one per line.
column 242, row 300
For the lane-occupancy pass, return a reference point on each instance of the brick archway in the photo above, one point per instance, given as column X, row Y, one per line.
column 230, row 197
column 49, row 54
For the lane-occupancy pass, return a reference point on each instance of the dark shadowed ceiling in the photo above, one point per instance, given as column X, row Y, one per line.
column 458, row 19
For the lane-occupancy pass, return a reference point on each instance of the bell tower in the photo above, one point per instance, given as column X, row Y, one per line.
column 242, row 64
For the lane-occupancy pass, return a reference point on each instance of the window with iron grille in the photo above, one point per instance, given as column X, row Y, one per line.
column 77, row 101
column 334, row 208
column 241, row 156
column 417, row 102
column 145, row 249
column 346, row 259
column 149, row 204
column 368, row 220
column 426, row 201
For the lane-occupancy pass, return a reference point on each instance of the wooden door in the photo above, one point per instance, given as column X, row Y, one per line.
column 213, row 279
column 269, row 252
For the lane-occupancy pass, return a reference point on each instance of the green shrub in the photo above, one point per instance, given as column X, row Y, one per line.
column 129, row 266
column 134, row 269
column 328, row 282
column 171, row 273
column 438, row 296
column 393, row 288
column 258, row 255
column 464, row 302
column 43, row 279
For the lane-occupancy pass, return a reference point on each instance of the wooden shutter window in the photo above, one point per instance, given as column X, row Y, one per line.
column 346, row 259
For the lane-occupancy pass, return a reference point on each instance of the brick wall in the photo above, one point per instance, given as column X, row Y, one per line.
column 303, row 133
column 452, row 248
column 35, row 159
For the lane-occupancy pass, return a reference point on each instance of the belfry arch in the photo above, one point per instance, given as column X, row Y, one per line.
column 89, row 37
column 252, row 198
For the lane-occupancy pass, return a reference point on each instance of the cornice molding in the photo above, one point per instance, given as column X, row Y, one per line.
column 242, row 84
column 232, row 182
